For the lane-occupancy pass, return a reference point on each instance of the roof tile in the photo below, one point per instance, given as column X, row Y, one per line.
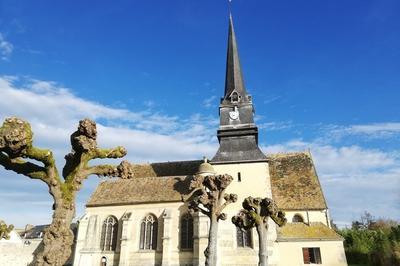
column 294, row 181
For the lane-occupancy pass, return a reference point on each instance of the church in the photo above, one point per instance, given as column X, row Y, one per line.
column 145, row 220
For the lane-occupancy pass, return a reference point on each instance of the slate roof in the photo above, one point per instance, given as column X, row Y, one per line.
column 295, row 184
column 34, row 232
column 294, row 181
column 178, row 168
column 37, row 231
column 156, row 182
column 140, row 190
column 301, row 231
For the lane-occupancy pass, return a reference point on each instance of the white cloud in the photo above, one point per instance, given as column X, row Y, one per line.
column 48, row 105
column 275, row 126
column 377, row 129
column 272, row 98
column 54, row 112
column 210, row 102
column 370, row 131
column 149, row 104
column 6, row 48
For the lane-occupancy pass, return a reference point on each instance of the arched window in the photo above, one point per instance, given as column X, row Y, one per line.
column 109, row 234
column 244, row 238
column 148, row 232
column 103, row 261
column 186, row 231
column 297, row 218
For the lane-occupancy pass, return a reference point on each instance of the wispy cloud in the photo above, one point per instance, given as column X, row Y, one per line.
column 6, row 48
column 210, row 102
column 371, row 131
column 32, row 51
column 272, row 98
column 18, row 26
column 149, row 104
column 275, row 126
column 145, row 74
column 376, row 130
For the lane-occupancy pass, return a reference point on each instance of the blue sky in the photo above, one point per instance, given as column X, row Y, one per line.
column 324, row 76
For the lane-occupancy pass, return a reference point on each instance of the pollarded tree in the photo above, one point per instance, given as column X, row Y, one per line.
column 18, row 154
column 209, row 198
column 5, row 230
column 255, row 213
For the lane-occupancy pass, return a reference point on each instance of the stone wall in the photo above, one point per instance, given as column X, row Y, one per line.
column 17, row 251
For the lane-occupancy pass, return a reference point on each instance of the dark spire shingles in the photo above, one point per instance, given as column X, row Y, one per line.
column 234, row 77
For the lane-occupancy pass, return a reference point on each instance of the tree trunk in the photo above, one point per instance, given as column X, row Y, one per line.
column 58, row 239
column 211, row 251
column 262, row 245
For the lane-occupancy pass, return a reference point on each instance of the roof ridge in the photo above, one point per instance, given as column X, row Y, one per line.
column 291, row 153
column 181, row 161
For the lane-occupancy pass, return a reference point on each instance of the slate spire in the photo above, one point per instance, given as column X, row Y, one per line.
column 237, row 133
column 233, row 78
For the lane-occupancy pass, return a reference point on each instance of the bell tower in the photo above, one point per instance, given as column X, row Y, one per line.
column 237, row 133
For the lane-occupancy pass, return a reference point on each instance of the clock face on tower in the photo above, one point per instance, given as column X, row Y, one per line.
column 234, row 114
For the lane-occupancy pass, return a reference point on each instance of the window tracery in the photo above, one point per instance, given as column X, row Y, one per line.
column 109, row 232
column 148, row 233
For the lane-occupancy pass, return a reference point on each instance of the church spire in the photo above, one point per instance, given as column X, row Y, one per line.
column 233, row 78
column 237, row 133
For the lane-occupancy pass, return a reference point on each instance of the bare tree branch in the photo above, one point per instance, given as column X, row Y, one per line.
column 114, row 153
column 229, row 198
column 20, row 166
column 42, row 155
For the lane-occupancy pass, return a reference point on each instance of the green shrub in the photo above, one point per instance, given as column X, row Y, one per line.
column 371, row 242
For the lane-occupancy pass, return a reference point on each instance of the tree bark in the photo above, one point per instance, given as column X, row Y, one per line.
column 211, row 251
column 262, row 244
column 56, row 248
